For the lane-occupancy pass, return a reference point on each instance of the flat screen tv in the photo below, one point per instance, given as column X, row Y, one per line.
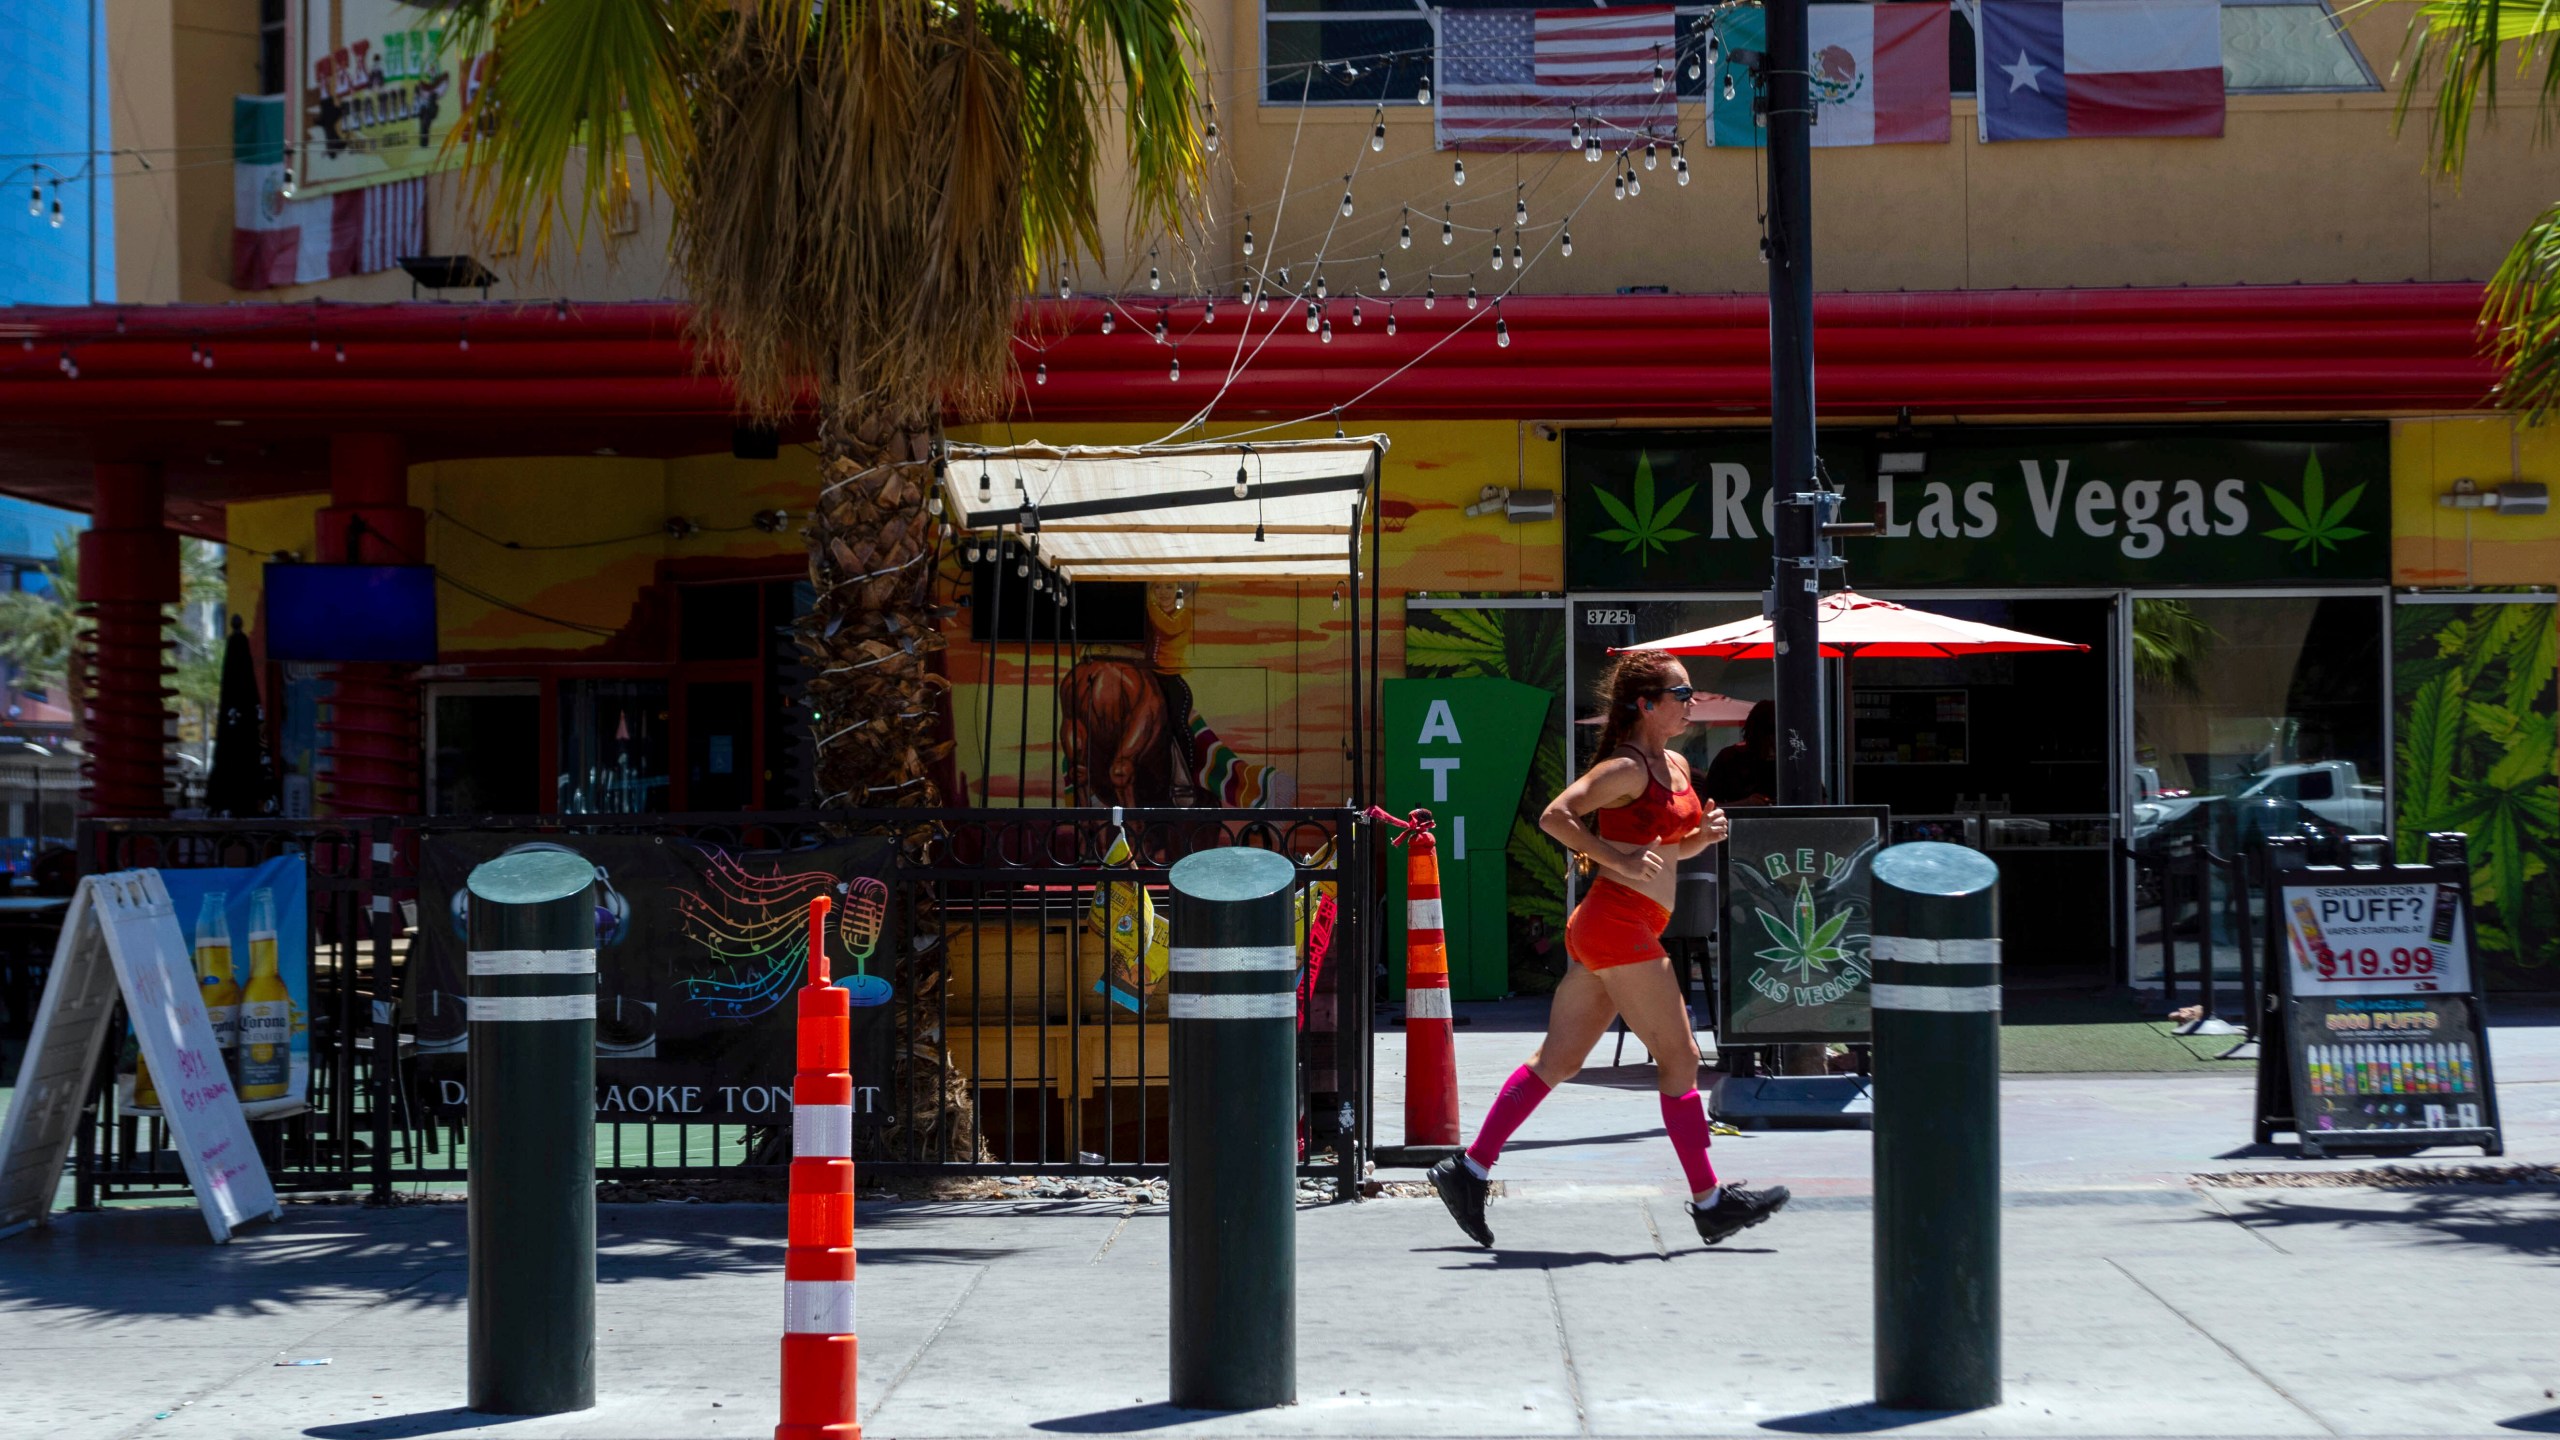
column 352, row 612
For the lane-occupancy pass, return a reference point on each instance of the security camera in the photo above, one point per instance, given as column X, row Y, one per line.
column 1543, row 431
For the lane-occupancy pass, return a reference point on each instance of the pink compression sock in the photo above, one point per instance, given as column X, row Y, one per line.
column 1685, row 1116
column 1520, row 1095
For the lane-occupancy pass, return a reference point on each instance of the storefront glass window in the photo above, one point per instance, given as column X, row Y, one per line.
column 2252, row 716
column 613, row 747
column 1600, row 624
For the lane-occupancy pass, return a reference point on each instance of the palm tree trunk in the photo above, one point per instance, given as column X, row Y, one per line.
column 877, row 696
column 872, row 634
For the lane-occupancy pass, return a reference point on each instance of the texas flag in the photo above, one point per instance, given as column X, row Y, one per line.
column 1879, row 75
column 2072, row 69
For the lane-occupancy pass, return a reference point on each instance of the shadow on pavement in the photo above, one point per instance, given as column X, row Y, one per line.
column 2540, row 1422
column 391, row 1427
column 1854, row 1420
column 2496, row 1219
column 1124, row 1419
column 1568, row 1259
column 1575, row 1141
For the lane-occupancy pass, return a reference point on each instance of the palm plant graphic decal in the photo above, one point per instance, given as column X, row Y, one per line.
column 1805, row 945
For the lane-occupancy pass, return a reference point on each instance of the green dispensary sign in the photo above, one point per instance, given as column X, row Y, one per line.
column 1461, row 750
column 2027, row 506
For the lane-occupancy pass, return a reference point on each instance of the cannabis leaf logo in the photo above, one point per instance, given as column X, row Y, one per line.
column 1644, row 529
column 1806, row 945
column 2314, row 525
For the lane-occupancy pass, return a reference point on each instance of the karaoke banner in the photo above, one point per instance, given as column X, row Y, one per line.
column 698, row 953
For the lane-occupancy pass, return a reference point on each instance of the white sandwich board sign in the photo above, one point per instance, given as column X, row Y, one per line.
column 122, row 934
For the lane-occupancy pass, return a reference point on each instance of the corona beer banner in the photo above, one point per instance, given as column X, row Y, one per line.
column 377, row 86
column 698, row 952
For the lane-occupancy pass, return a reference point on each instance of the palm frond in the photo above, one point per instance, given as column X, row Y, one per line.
column 2521, row 314
column 2464, row 38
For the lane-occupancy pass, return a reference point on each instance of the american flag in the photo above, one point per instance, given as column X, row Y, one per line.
column 1518, row 79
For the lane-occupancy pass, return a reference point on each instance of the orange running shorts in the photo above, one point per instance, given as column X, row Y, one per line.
column 1614, row 925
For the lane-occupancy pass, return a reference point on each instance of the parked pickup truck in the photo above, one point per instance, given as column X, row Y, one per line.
column 2328, row 789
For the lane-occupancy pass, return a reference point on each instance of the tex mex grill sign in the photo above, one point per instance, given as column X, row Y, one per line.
column 2075, row 506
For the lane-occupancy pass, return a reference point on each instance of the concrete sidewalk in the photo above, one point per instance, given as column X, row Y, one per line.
column 2130, row 1312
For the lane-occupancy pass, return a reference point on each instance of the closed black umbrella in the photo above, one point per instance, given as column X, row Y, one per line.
column 243, row 783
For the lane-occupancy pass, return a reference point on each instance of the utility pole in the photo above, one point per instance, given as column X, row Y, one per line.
column 1797, row 540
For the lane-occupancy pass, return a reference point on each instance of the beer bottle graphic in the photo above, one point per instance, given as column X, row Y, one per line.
column 266, row 1009
column 215, row 978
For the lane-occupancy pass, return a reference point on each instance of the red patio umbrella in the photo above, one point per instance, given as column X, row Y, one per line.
column 1704, row 709
column 1855, row 624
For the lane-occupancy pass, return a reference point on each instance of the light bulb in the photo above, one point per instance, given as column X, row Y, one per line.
column 1346, row 200
column 35, row 200
column 1635, row 184
column 1311, row 319
column 1649, row 159
column 1458, row 171
column 1326, row 334
column 1161, row 333
column 1391, row 320
column 1448, row 231
column 1430, row 297
column 1378, row 137
column 1065, row 290
column 1680, row 170
column 1382, row 279
column 56, row 219
column 1422, row 96
column 1355, row 314
column 1404, row 236
column 342, row 352
column 1728, row 85
column 195, row 354
column 1519, row 212
column 1244, row 290
column 1712, row 45
column 315, row 344
column 1321, row 292
column 1497, row 252
column 1693, row 64
column 1208, row 312
column 1577, row 132
column 1109, row 324
column 1566, row 241
column 1155, row 278
column 1657, row 77
column 1471, row 294
column 1240, row 482
column 1177, row 597
column 1248, row 234
column 1515, row 252
column 208, row 359
column 986, row 483
column 972, row 553
column 1337, row 597
column 1021, row 566
column 1501, row 332
column 1040, row 376
column 1211, row 139
column 1257, row 533
column 1618, row 189
column 1175, row 371
column 1591, row 150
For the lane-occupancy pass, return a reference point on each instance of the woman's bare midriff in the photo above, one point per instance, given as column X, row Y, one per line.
column 1665, row 883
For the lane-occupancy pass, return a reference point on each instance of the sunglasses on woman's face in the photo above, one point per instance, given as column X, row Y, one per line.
column 1680, row 693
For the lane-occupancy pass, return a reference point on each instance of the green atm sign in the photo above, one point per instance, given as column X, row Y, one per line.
column 1462, row 749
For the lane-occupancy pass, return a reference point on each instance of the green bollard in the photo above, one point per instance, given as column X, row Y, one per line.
column 1936, row 994
column 533, row 1134
column 1234, row 1187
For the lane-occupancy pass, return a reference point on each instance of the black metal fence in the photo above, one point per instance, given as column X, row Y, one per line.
column 1017, row 1048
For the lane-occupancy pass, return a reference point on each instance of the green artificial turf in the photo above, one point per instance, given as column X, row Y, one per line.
column 2065, row 1034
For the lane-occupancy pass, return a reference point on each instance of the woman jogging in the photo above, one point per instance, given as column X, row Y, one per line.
column 1648, row 817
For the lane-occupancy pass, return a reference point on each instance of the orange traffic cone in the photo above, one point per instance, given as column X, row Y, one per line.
column 818, row 1345
column 1430, row 1055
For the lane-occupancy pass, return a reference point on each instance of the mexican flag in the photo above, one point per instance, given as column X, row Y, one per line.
column 276, row 241
column 1879, row 75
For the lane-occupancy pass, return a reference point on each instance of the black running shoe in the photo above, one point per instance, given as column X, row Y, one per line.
column 1464, row 1194
column 1736, row 1209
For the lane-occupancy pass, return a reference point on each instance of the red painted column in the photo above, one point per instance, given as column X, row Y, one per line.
column 371, row 724
column 128, row 571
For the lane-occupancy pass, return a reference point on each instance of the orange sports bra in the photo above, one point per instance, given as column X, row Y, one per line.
column 1658, row 815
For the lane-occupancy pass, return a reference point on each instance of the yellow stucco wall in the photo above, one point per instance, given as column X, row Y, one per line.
column 2435, row 546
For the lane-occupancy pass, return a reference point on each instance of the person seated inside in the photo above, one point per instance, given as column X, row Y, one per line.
column 1746, row 773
